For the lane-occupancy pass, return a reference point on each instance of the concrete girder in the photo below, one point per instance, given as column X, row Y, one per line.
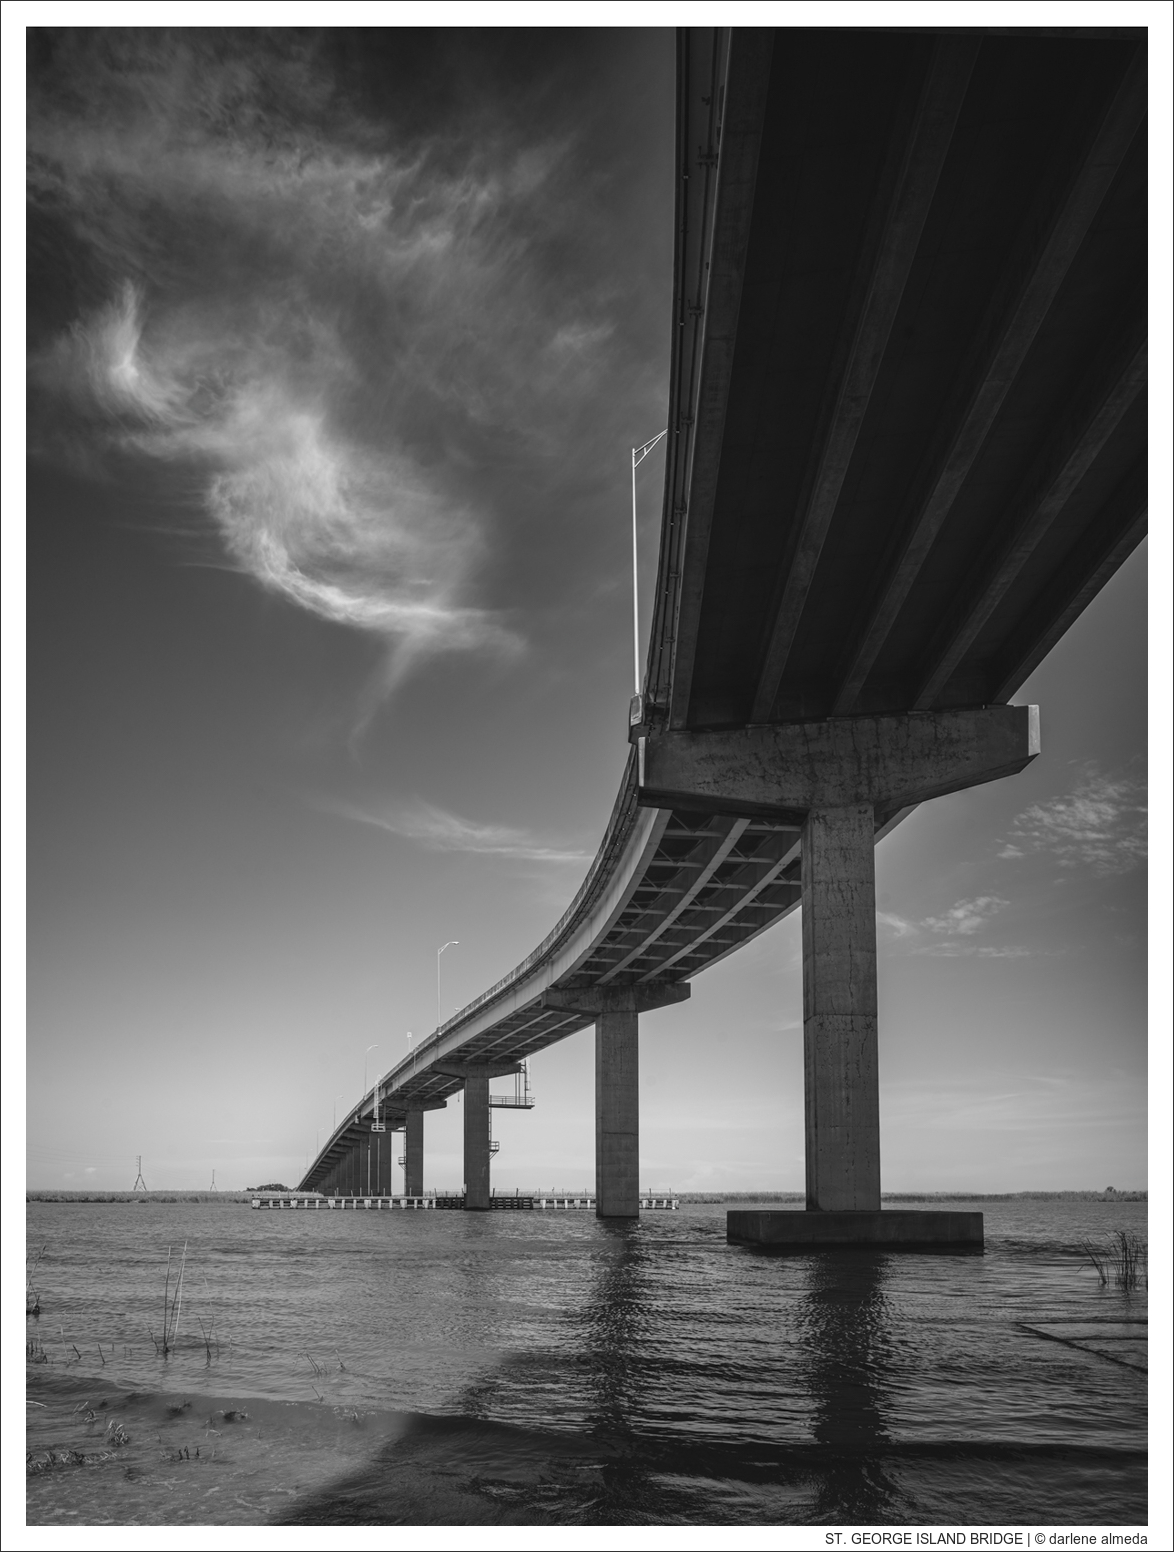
column 1050, row 255
column 709, row 858
column 933, row 129
column 1040, row 505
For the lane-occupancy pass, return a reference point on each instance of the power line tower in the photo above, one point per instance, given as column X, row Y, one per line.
column 140, row 1183
column 212, row 1187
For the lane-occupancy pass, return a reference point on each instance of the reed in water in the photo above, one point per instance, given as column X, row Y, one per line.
column 1122, row 1261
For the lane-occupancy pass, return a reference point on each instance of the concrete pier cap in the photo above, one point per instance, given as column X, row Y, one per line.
column 843, row 779
column 890, row 762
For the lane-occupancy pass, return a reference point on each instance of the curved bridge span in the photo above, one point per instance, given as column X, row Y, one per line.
column 669, row 893
column 906, row 447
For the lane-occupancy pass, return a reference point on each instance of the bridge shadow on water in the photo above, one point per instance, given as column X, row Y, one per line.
column 643, row 1438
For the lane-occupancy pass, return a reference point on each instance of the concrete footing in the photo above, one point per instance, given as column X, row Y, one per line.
column 958, row 1232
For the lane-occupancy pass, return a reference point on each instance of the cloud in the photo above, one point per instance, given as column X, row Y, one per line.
column 897, row 924
column 438, row 830
column 956, row 950
column 1100, row 825
column 354, row 536
column 312, row 323
column 954, row 930
column 967, row 917
column 1010, row 1102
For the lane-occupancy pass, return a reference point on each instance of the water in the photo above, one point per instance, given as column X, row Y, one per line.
column 534, row 1368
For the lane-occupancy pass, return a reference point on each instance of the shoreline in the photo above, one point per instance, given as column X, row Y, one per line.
column 239, row 1198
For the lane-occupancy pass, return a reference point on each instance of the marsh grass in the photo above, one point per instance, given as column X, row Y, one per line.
column 1122, row 1262
column 32, row 1297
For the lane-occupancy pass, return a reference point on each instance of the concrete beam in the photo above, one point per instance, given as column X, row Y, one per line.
column 642, row 998
column 1024, row 300
column 933, row 130
column 888, row 762
column 466, row 1070
column 1039, row 508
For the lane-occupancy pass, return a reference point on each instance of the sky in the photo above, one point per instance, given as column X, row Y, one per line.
column 338, row 343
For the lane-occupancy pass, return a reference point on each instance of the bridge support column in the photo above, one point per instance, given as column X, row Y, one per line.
column 383, row 1144
column 845, row 778
column 414, row 1153
column 476, row 1076
column 617, row 1115
column 841, row 1086
column 476, row 1144
column 617, row 1011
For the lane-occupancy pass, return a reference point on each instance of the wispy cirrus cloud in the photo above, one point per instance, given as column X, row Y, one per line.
column 953, row 932
column 897, row 924
column 1100, row 824
column 352, row 534
column 439, row 830
column 967, row 916
column 953, row 949
column 311, row 321
column 1018, row 1101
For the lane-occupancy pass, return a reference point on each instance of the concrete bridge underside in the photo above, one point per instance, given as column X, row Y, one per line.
column 906, row 447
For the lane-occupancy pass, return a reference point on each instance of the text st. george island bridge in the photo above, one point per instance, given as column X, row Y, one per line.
column 906, row 447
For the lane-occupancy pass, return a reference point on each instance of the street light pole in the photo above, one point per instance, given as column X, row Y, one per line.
column 373, row 1046
column 366, row 1054
column 639, row 454
column 452, row 943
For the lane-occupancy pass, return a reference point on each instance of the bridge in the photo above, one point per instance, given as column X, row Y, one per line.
column 906, row 448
